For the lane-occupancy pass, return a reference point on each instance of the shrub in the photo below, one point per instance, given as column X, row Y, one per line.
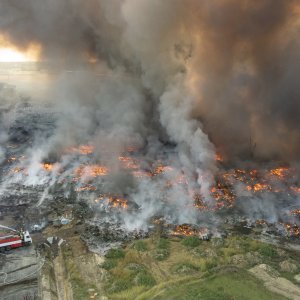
column 120, row 285
column 185, row 268
column 161, row 254
column 109, row 264
column 191, row 241
column 145, row 279
column 135, row 267
column 163, row 244
column 115, row 253
column 228, row 252
column 140, row 246
column 131, row 256
column 209, row 264
column 268, row 251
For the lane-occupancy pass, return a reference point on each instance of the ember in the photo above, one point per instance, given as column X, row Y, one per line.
column 91, row 171
column 128, row 162
column 118, row 202
column 114, row 201
column 223, row 195
column 295, row 189
column 184, row 229
column 259, row 187
column 141, row 174
column 47, row 167
column 83, row 149
column 198, row 202
column 292, row 230
column 14, row 159
column 161, row 169
column 295, row 212
column 280, row 172
column 260, row 222
column 219, row 157
column 17, row 170
column 11, row 159
column 87, row 187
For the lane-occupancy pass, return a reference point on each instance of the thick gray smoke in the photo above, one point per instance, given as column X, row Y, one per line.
column 174, row 72
column 238, row 60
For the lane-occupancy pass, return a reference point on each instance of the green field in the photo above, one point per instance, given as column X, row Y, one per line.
column 227, row 285
column 177, row 268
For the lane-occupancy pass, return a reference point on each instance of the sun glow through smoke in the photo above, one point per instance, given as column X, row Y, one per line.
column 9, row 53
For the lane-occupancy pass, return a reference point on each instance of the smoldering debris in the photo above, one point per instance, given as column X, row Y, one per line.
column 132, row 187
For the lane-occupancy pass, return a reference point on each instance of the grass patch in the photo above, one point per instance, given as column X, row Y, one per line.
column 267, row 250
column 80, row 289
column 238, row 286
column 145, row 279
column 131, row 293
column 191, row 241
column 140, row 246
column 109, row 264
column 170, row 269
column 136, row 268
column 131, row 256
column 79, row 285
column 161, row 254
column 209, row 264
column 115, row 253
column 120, row 285
column 228, row 252
column 184, row 268
column 163, row 244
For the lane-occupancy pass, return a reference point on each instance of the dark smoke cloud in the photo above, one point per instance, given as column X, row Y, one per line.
column 249, row 67
column 192, row 74
column 237, row 60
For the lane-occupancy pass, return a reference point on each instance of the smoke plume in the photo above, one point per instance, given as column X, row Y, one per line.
column 196, row 75
column 231, row 64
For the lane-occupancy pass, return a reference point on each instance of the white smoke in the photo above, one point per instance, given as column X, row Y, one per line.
column 163, row 66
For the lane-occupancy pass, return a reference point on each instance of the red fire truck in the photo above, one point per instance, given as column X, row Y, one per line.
column 17, row 240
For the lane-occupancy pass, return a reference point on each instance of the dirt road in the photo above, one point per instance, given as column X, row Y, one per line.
column 19, row 274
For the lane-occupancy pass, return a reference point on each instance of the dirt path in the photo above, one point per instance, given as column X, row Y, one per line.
column 71, row 271
column 64, row 290
column 274, row 283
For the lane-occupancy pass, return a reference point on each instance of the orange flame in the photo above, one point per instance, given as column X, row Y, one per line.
column 185, row 230
column 47, row 166
column 218, row 157
column 82, row 149
column 128, row 162
column 91, row 171
column 87, row 187
column 257, row 187
column 279, row 172
column 162, row 169
column 114, row 200
column 292, row 229
column 295, row 189
column 295, row 212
